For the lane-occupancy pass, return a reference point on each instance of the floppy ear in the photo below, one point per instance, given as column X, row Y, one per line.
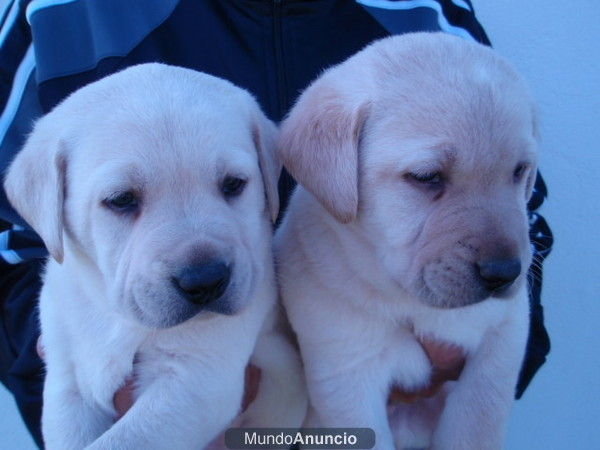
column 35, row 185
column 319, row 141
column 264, row 133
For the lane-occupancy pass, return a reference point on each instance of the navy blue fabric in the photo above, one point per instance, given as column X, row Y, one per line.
column 272, row 48
column 465, row 18
column 5, row 12
column 13, row 49
column 241, row 41
column 29, row 109
column 538, row 343
column 73, row 37
column 418, row 19
column 21, row 369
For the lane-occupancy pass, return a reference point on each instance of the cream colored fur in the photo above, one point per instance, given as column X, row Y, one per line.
column 108, row 307
column 370, row 259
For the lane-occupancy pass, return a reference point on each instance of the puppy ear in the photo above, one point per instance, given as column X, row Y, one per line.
column 264, row 133
column 318, row 145
column 35, row 185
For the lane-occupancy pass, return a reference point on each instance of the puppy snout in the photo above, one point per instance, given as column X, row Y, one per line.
column 498, row 274
column 203, row 283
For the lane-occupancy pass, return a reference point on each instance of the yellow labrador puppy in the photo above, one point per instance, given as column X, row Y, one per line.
column 146, row 187
column 416, row 158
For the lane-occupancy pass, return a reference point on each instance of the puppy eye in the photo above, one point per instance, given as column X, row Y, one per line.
column 125, row 201
column 233, row 186
column 430, row 179
column 519, row 171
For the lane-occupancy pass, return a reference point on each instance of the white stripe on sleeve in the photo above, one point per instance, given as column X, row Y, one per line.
column 10, row 21
column 412, row 4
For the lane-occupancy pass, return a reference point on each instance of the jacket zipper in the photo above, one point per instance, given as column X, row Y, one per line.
column 278, row 47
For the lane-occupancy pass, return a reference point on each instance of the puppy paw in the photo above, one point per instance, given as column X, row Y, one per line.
column 414, row 368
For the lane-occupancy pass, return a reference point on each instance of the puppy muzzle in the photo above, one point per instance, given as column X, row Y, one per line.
column 203, row 284
column 498, row 275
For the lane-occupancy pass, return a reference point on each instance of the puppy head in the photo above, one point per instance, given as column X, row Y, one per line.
column 428, row 144
column 161, row 181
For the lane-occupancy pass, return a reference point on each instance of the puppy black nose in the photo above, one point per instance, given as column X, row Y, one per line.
column 499, row 274
column 203, row 283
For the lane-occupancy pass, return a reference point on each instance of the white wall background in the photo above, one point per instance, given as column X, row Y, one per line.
column 13, row 434
column 556, row 46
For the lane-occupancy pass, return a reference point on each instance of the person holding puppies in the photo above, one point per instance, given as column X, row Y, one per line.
column 272, row 49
